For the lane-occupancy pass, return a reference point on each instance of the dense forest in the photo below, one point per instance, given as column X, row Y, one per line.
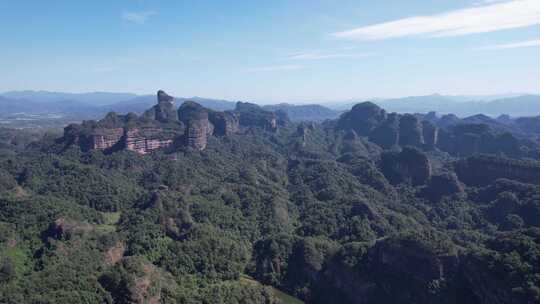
column 368, row 208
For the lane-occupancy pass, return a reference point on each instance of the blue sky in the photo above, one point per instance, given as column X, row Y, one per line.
column 280, row 50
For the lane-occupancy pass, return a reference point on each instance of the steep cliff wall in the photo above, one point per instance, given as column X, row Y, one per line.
column 198, row 127
column 251, row 115
column 225, row 123
column 484, row 169
column 146, row 140
column 409, row 166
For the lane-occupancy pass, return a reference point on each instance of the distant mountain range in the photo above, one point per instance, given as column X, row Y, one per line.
column 96, row 104
column 94, row 98
column 523, row 105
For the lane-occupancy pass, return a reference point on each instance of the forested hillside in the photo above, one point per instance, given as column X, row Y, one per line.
column 368, row 208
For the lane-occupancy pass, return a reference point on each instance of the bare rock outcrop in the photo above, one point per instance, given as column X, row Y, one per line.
column 66, row 228
column 251, row 115
column 362, row 118
column 482, row 170
column 430, row 133
column 164, row 111
column 146, row 140
column 141, row 281
column 198, row 126
column 225, row 123
column 410, row 131
column 409, row 166
column 114, row 254
column 387, row 134
column 102, row 139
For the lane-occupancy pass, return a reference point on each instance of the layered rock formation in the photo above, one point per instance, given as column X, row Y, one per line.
column 198, row 127
column 146, row 140
column 102, row 139
column 163, row 126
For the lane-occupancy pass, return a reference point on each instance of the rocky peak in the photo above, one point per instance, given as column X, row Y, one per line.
column 163, row 126
column 410, row 131
column 362, row 118
column 198, row 127
column 164, row 110
column 251, row 115
column 164, row 97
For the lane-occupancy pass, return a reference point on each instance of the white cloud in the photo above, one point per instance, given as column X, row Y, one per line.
column 137, row 17
column 276, row 68
column 482, row 19
column 513, row 45
column 321, row 56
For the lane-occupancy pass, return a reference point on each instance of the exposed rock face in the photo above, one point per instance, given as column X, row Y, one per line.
column 146, row 140
column 198, row 127
column 164, row 111
column 390, row 130
column 430, row 134
column 282, row 119
column 225, row 123
column 164, row 97
column 115, row 254
column 410, row 131
column 140, row 281
column 303, row 131
column 362, row 118
column 162, row 126
column 484, row 169
column 102, row 139
column 409, row 166
column 387, row 135
column 65, row 228
column 466, row 139
column 251, row 115
column 449, row 120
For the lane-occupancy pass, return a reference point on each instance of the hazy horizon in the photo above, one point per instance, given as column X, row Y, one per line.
column 324, row 102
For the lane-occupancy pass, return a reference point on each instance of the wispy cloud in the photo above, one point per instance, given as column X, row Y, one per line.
column 513, row 45
column 322, row 55
column 273, row 68
column 137, row 17
column 481, row 19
